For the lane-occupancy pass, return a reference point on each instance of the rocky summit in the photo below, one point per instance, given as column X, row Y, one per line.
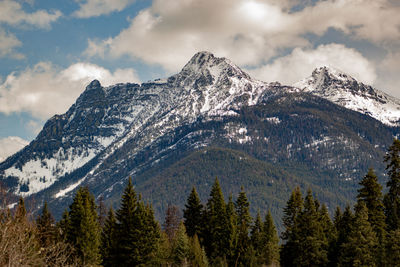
column 211, row 119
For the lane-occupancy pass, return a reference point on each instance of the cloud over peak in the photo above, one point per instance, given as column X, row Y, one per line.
column 45, row 89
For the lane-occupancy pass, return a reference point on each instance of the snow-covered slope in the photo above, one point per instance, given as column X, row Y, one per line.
column 346, row 91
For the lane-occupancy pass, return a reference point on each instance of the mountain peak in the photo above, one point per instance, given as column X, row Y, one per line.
column 94, row 84
column 331, row 73
column 344, row 90
column 208, row 68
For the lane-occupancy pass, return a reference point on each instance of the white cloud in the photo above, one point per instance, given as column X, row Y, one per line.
column 388, row 73
column 301, row 62
column 11, row 145
column 94, row 8
column 170, row 32
column 45, row 89
column 8, row 43
column 250, row 32
column 11, row 13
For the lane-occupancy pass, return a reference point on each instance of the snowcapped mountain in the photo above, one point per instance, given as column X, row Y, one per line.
column 144, row 130
column 346, row 91
column 104, row 118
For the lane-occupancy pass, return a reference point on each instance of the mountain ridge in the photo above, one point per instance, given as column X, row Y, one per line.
column 124, row 130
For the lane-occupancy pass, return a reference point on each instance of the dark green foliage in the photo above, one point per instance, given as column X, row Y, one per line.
column 393, row 248
column 290, row 221
column 137, row 230
column 232, row 230
column 270, row 255
column 312, row 244
column 343, row 223
column 392, row 198
column 360, row 247
column 83, row 230
column 371, row 194
column 45, row 224
column 243, row 227
column 193, row 214
column 63, row 225
column 216, row 234
column 109, row 239
column 257, row 236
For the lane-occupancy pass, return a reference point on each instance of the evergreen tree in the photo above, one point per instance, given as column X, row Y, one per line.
column 257, row 238
column 45, row 225
column 232, row 230
column 312, row 244
column 359, row 250
column 192, row 213
column 84, row 229
column 243, row 226
column 198, row 257
column 270, row 239
column 333, row 252
column 392, row 198
column 393, row 248
column 290, row 221
column 216, row 233
column 63, row 225
column 108, row 239
column 371, row 194
column 343, row 225
column 137, row 230
column 181, row 248
column 163, row 252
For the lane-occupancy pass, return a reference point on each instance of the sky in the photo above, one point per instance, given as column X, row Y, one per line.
column 50, row 50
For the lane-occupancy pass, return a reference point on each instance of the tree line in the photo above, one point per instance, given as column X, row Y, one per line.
column 215, row 233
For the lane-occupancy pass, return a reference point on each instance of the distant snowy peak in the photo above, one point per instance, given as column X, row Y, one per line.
column 346, row 91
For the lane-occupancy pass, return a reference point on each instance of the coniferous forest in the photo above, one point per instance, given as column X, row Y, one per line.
column 220, row 232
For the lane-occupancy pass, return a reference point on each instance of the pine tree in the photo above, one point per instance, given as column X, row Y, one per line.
column 359, row 250
column 232, row 230
column 181, row 248
column 163, row 252
column 45, row 225
column 343, row 225
column 243, row 226
column 311, row 249
column 84, row 229
column 393, row 248
column 257, row 238
column 333, row 252
column 371, row 194
column 216, row 234
column 192, row 213
column 198, row 257
column 137, row 231
column 290, row 221
column 108, row 239
column 127, row 231
column 271, row 242
column 63, row 226
column 392, row 198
